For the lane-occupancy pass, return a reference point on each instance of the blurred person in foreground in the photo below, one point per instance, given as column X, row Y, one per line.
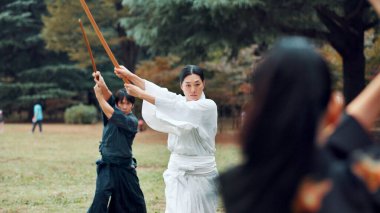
column 301, row 154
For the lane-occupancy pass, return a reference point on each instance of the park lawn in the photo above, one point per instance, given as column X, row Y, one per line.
column 55, row 171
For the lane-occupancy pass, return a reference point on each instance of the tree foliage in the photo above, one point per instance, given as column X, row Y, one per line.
column 226, row 80
column 63, row 17
column 372, row 53
column 163, row 71
column 231, row 79
column 20, row 44
column 58, row 86
column 29, row 72
column 194, row 29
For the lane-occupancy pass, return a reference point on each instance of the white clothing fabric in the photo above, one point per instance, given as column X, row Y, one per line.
column 192, row 127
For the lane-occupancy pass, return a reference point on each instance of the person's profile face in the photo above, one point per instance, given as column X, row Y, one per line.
column 125, row 106
column 192, row 87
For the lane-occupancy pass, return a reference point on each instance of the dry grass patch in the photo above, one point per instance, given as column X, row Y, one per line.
column 55, row 171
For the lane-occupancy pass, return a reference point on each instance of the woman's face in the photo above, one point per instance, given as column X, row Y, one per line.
column 192, row 86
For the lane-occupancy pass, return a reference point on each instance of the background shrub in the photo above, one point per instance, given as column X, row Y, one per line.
column 81, row 114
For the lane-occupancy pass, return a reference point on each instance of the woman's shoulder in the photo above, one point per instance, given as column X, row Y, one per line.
column 202, row 104
column 207, row 102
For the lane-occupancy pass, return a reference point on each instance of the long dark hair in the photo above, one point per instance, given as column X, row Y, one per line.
column 292, row 87
column 191, row 69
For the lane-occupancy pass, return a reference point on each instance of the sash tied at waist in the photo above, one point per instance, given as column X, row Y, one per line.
column 129, row 163
column 192, row 165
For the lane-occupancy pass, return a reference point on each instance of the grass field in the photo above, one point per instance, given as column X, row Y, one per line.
column 55, row 171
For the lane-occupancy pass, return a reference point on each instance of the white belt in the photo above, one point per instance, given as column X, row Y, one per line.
column 194, row 165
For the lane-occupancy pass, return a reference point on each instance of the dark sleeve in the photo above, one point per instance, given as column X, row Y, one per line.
column 127, row 122
column 111, row 102
column 348, row 137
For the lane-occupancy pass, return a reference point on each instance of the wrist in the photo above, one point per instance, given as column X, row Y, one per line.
column 128, row 77
column 141, row 95
column 105, row 88
column 99, row 95
column 102, row 85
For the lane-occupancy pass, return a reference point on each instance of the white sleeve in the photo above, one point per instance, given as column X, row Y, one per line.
column 158, row 91
column 183, row 110
column 177, row 117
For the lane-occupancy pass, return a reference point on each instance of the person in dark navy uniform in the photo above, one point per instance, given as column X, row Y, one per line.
column 117, row 184
column 301, row 153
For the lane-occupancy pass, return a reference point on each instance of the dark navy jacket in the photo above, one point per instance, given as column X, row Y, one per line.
column 118, row 133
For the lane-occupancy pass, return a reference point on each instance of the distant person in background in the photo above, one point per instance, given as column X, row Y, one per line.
column 1, row 121
column 37, row 117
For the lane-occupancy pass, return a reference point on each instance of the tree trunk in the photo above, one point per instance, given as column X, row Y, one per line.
column 346, row 35
column 353, row 74
column 351, row 48
column 129, row 53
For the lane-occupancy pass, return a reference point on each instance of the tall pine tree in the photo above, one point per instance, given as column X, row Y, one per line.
column 29, row 72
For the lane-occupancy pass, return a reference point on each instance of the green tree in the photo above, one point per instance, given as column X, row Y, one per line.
column 20, row 45
column 29, row 72
column 194, row 29
column 57, row 86
column 63, row 18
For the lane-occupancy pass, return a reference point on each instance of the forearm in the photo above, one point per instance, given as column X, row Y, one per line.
column 136, row 80
column 106, row 92
column 366, row 107
column 147, row 97
column 106, row 108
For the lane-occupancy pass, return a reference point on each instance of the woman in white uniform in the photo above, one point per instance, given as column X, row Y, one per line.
column 191, row 122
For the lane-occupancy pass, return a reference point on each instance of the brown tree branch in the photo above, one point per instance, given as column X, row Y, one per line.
column 357, row 10
column 333, row 22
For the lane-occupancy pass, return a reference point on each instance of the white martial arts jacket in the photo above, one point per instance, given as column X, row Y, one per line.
column 192, row 126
